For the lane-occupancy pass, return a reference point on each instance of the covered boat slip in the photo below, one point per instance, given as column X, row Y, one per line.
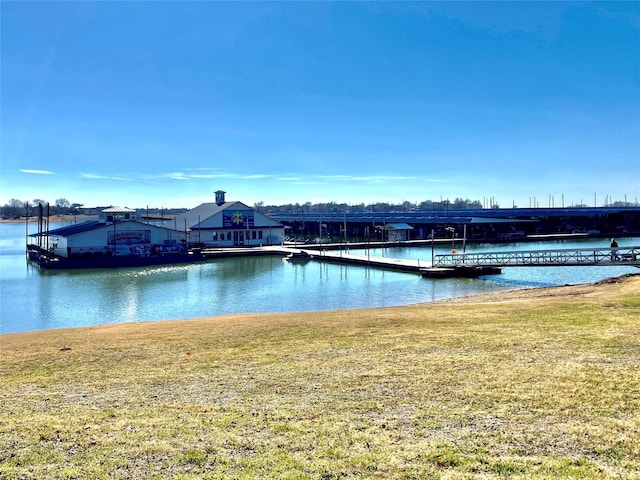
column 115, row 239
column 94, row 238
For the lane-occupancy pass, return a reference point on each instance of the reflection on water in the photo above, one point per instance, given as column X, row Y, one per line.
column 33, row 299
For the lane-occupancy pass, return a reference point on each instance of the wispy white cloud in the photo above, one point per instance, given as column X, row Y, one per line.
column 93, row 176
column 209, row 175
column 334, row 177
column 218, row 174
column 203, row 169
column 289, row 179
column 256, row 176
column 37, row 172
column 381, row 178
column 306, row 182
column 367, row 178
column 176, row 176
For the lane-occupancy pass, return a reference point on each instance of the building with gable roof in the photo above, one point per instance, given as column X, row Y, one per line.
column 226, row 224
column 115, row 233
column 116, row 239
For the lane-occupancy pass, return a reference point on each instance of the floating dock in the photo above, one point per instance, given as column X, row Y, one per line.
column 418, row 267
column 461, row 271
column 467, row 265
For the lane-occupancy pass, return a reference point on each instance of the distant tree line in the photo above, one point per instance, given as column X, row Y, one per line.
column 382, row 207
column 16, row 208
column 333, row 207
column 19, row 208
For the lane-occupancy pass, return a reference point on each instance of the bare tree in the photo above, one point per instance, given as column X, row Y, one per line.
column 14, row 208
column 62, row 205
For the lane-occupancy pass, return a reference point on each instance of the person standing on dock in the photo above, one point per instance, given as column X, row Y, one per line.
column 614, row 250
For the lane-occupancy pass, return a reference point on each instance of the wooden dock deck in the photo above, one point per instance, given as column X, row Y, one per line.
column 419, row 267
column 453, row 265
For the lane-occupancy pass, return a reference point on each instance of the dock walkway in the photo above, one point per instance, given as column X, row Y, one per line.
column 420, row 267
column 628, row 256
column 455, row 265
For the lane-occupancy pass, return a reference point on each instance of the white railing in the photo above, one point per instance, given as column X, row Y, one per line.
column 538, row 258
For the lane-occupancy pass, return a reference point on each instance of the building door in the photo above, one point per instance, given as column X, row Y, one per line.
column 238, row 238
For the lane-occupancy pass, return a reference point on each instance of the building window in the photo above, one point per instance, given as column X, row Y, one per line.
column 260, row 234
column 228, row 235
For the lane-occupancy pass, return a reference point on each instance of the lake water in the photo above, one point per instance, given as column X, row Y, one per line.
column 34, row 299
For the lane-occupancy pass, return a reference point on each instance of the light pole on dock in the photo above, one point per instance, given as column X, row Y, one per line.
column 453, row 237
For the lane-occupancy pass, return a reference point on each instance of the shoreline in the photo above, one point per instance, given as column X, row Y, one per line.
column 505, row 296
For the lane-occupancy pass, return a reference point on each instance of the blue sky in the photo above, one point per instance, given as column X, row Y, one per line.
column 162, row 103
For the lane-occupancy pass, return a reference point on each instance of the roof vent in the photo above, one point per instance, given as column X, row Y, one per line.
column 220, row 197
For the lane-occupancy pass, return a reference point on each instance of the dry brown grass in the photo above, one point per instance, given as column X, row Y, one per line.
column 537, row 383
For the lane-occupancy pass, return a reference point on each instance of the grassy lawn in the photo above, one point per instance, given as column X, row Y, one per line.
column 539, row 383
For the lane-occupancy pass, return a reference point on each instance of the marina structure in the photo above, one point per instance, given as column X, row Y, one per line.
column 116, row 239
column 474, row 225
column 228, row 224
column 221, row 229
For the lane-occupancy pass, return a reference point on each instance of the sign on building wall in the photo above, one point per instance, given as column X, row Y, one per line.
column 130, row 237
column 238, row 219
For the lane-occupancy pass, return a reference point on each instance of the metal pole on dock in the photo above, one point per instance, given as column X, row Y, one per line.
column 26, row 227
column 432, row 246
column 464, row 238
column 453, row 237
column 40, row 225
column 48, row 213
column 345, row 228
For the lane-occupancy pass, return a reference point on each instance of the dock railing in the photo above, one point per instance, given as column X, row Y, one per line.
column 537, row 258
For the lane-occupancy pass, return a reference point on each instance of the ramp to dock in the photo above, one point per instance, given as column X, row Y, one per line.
column 622, row 256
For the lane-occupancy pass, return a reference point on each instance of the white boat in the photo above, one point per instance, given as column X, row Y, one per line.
column 300, row 256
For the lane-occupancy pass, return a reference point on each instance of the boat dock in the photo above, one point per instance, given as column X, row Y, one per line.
column 419, row 267
column 456, row 264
